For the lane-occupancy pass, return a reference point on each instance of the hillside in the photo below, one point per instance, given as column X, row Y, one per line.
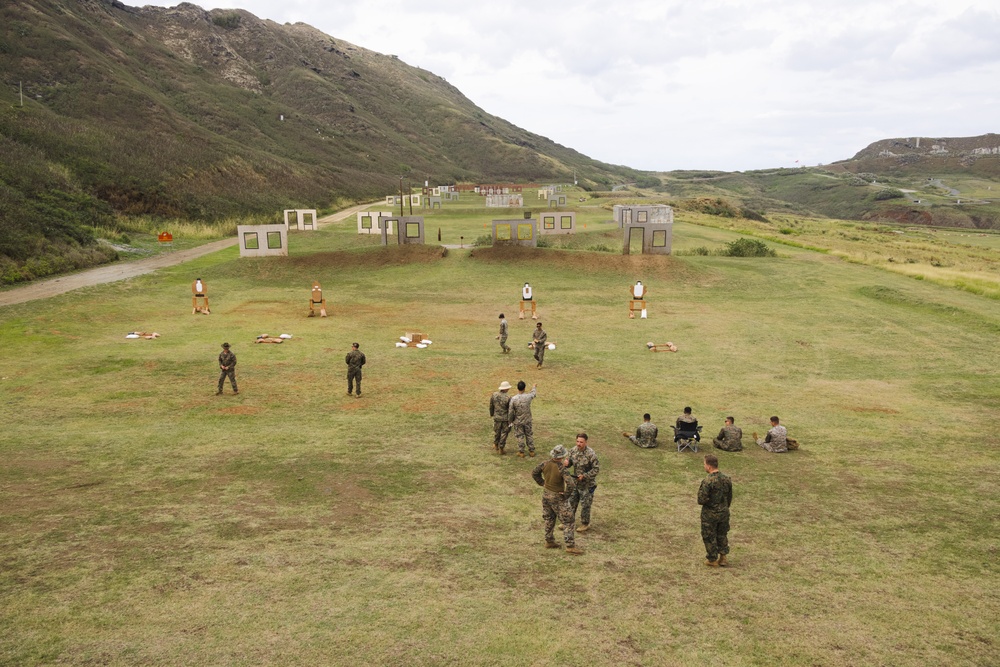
column 947, row 182
column 206, row 114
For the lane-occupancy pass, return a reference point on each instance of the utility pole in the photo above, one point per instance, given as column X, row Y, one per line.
column 20, row 91
column 409, row 189
column 400, row 196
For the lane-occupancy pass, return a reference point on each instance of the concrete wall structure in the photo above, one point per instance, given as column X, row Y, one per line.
column 657, row 237
column 561, row 222
column 368, row 221
column 263, row 240
column 504, row 201
column 516, row 232
column 656, row 214
column 305, row 218
column 409, row 229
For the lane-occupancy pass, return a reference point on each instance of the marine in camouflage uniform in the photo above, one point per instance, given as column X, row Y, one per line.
column 355, row 359
column 776, row 440
column 499, row 408
column 554, row 476
column 519, row 414
column 645, row 434
column 585, row 469
column 730, row 438
column 715, row 495
column 227, row 364
column 502, row 336
column 539, row 337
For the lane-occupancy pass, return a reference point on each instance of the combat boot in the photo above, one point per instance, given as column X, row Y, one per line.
column 551, row 545
column 531, row 454
column 583, row 528
column 711, row 563
column 520, row 455
column 722, row 560
column 576, row 551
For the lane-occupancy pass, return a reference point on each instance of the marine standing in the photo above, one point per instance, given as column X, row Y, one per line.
column 554, row 476
column 585, row 469
column 227, row 364
column 715, row 496
column 539, row 337
column 502, row 336
column 355, row 359
column 499, row 408
column 519, row 414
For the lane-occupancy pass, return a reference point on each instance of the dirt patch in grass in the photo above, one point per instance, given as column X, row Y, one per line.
column 660, row 266
column 870, row 408
column 372, row 258
column 240, row 410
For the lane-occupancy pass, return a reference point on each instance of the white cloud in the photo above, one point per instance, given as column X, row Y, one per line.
column 671, row 84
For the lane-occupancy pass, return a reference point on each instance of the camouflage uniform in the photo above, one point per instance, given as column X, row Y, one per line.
column 499, row 405
column 776, row 440
column 355, row 359
column 503, row 336
column 715, row 495
column 683, row 422
column 645, row 435
column 227, row 359
column 557, row 480
column 519, row 414
column 539, row 338
column 584, row 463
column 730, row 439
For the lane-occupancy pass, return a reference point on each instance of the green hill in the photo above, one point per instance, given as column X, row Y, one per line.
column 940, row 182
column 207, row 114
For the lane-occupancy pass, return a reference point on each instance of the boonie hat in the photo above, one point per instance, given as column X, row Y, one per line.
column 558, row 452
column 504, row 385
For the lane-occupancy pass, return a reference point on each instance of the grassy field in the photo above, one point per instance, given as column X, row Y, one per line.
column 147, row 521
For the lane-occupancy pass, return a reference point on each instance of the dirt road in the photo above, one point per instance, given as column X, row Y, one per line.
column 123, row 270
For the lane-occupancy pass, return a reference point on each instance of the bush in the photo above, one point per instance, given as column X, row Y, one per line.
column 600, row 247
column 751, row 214
column 227, row 21
column 484, row 241
column 744, row 247
column 888, row 193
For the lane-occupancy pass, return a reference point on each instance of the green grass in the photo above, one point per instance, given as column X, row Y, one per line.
column 147, row 521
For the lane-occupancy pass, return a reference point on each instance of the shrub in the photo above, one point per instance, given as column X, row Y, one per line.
column 888, row 193
column 744, row 247
column 227, row 21
column 600, row 247
column 484, row 241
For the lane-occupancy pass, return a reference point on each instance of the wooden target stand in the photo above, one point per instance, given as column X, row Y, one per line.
column 634, row 305
column 199, row 291
column 638, row 301
column 316, row 299
column 525, row 306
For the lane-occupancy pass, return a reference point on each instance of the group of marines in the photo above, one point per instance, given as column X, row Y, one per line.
column 569, row 478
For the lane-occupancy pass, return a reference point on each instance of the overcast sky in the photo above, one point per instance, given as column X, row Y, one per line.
column 701, row 84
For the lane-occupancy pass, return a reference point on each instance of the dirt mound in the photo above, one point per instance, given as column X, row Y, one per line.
column 373, row 258
column 660, row 266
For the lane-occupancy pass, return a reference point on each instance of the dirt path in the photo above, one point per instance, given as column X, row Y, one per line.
column 125, row 270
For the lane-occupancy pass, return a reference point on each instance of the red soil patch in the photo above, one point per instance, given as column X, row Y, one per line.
column 661, row 266
column 372, row 258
